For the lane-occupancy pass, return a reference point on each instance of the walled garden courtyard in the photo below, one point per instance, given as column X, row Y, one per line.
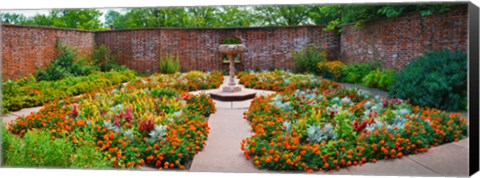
column 246, row 100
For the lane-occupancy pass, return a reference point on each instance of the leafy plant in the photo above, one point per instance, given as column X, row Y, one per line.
column 381, row 79
column 330, row 69
column 164, row 92
column 5, row 142
column 202, row 103
column 437, row 78
column 306, row 59
column 37, row 149
column 23, row 94
column 87, row 156
column 354, row 73
column 104, row 59
column 64, row 65
column 169, row 64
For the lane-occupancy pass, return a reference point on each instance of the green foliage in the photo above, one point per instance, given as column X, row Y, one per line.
column 37, row 149
column 231, row 40
column 437, row 79
column 29, row 93
column 103, row 57
column 64, row 65
column 12, row 18
column 84, row 19
column 330, row 69
column 164, row 92
column 381, row 79
column 201, row 103
column 169, row 64
column 5, row 142
column 306, row 59
column 228, row 16
column 354, row 73
column 86, row 155
column 283, row 15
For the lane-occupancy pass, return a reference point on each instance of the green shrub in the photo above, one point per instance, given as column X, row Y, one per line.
column 22, row 95
column 105, row 60
column 354, row 73
column 330, row 69
column 169, row 64
column 381, row 79
column 307, row 59
column 86, row 155
column 164, row 92
column 64, row 65
column 5, row 143
column 437, row 79
column 37, row 149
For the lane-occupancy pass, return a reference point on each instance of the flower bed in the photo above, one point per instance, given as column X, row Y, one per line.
column 129, row 126
column 190, row 81
column 29, row 93
column 282, row 81
column 325, row 129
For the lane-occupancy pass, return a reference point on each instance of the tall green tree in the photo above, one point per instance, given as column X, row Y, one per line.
column 283, row 15
column 233, row 16
column 13, row 18
column 85, row 19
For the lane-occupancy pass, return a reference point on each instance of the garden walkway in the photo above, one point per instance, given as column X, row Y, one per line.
column 228, row 127
column 222, row 152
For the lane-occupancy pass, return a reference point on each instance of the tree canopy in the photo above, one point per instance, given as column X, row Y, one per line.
column 229, row 16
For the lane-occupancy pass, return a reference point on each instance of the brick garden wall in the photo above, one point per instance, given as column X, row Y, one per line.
column 395, row 41
column 267, row 47
column 26, row 49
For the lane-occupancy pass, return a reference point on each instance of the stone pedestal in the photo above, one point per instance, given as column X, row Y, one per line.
column 231, row 51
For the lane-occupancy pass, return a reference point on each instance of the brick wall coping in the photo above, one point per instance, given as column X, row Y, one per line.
column 209, row 28
column 159, row 28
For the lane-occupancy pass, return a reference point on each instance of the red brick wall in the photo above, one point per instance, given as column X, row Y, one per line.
column 395, row 41
column 267, row 47
column 26, row 49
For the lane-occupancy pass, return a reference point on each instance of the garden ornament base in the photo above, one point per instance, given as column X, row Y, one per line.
column 231, row 50
column 231, row 91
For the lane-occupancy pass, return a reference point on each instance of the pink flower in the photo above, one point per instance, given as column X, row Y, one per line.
column 128, row 114
column 74, row 111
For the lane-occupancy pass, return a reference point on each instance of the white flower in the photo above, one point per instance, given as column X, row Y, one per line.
column 129, row 133
column 287, row 125
column 346, row 100
column 368, row 105
column 178, row 114
column 370, row 128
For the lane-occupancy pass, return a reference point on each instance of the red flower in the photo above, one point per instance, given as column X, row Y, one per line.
column 128, row 115
column 146, row 126
column 185, row 97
